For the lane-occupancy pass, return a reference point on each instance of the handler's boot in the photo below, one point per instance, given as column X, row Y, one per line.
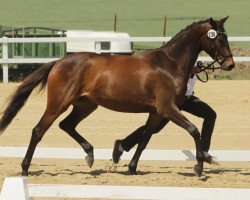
column 211, row 160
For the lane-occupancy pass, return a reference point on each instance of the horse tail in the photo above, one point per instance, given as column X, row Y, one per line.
column 19, row 98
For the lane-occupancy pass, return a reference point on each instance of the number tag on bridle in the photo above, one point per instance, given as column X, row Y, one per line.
column 212, row 34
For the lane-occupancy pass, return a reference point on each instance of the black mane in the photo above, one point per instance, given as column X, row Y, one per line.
column 176, row 37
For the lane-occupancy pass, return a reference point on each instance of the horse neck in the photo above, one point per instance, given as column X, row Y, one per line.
column 185, row 50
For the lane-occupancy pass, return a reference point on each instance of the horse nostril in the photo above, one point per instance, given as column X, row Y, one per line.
column 230, row 67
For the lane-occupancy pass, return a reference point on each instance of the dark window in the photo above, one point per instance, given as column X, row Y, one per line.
column 105, row 45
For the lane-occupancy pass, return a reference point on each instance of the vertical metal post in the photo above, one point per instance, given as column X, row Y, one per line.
column 23, row 43
column 34, row 46
column 50, row 50
column 62, row 45
column 5, row 58
column 52, row 47
column 34, row 49
column 164, row 27
column 115, row 22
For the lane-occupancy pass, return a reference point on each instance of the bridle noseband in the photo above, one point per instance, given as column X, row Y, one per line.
column 220, row 59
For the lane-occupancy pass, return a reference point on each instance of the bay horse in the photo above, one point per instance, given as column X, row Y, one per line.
column 153, row 82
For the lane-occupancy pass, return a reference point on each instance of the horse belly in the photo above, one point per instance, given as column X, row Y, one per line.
column 129, row 107
column 122, row 103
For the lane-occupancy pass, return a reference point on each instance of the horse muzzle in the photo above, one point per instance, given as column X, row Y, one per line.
column 228, row 64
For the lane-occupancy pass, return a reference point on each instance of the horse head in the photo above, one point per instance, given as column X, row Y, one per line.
column 215, row 43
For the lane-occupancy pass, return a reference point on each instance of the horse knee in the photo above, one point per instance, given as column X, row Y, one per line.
column 36, row 135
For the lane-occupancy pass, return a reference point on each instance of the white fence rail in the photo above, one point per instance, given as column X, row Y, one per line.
column 5, row 60
column 138, row 192
column 18, row 188
column 105, row 154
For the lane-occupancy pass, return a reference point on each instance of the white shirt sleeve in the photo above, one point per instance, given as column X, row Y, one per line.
column 190, row 86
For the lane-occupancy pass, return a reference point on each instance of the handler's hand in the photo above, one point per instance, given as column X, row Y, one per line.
column 196, row 70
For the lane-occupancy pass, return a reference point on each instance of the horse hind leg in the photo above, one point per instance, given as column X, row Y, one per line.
column 37, row 133
column 56, row 105
column 81, row 109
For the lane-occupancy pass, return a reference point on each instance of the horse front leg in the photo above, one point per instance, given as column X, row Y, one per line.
column 175, row 115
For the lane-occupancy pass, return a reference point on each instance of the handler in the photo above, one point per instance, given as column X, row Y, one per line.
column 193, row 105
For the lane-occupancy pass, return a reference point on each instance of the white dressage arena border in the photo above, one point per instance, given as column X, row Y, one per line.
column 17, row 188
column 104, row 154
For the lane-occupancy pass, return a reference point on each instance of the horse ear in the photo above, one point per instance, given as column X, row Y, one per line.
column 213, row 23
column 222, row 21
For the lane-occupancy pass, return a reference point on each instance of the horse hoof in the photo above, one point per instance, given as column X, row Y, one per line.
column 132, row 169
column 89, row 160
column 116, row 152
column 198, row 170
column 132, row 172
column 25, row 173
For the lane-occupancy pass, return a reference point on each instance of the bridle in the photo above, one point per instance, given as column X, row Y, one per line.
column 218, row 58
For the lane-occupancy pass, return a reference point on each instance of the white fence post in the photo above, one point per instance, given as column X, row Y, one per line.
column 15, row 188
column 5, row 58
